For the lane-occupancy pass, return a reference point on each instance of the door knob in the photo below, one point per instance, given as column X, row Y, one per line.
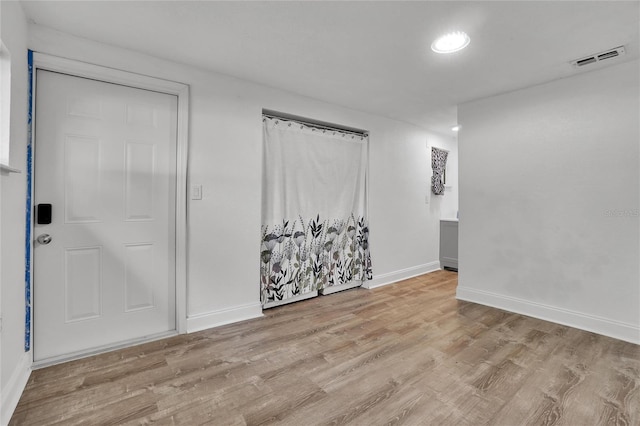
column 44, row 238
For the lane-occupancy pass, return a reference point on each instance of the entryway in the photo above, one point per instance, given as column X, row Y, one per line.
column 106, row 183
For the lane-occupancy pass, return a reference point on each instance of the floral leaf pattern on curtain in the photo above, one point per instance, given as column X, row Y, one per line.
column 299, row 257
column 438, row 164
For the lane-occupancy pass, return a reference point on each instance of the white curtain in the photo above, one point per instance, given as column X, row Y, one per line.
column 314, row 219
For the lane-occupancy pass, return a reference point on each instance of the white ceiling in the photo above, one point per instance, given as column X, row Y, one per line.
column 369, row 56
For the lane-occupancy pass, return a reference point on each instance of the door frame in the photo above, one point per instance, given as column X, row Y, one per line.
column 42, row 61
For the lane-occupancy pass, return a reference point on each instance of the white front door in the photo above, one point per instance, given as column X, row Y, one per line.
column 105, row 160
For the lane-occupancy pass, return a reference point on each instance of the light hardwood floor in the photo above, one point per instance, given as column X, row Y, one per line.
column 407, row 353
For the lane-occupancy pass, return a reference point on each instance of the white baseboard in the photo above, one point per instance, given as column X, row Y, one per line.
column 607, row 327
column 223, row 316
column 403, row 274
column 15, row 386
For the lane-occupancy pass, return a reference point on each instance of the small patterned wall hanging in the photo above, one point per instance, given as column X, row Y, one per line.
column 438, row 164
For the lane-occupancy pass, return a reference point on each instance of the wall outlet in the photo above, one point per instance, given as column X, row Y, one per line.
column 196, row 192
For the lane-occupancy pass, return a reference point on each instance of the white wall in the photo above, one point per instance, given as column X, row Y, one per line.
column 14, row 368
column 225, row 157
column 549, row 199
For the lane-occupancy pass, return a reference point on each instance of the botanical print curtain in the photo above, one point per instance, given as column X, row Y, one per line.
column 314, row 219
column 438, row 164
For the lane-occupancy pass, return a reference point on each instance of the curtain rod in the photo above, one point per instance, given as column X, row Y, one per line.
column 315, row 125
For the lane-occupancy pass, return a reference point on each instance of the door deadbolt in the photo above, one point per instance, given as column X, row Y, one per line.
column 44, row 239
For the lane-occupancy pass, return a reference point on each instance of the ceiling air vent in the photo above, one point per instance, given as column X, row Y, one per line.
column 592, row 59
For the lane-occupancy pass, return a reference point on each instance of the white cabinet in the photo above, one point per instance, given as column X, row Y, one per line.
column 449, row 243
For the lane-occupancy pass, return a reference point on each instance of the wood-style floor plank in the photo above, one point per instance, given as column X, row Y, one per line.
column 404, row 354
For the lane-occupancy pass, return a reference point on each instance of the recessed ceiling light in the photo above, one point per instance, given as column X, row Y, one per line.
column 456, row 128
column 451, row 42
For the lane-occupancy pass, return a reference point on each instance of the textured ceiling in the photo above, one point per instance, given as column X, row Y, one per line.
column 370, row 56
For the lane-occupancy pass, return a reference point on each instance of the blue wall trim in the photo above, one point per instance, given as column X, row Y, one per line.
column 28, row 209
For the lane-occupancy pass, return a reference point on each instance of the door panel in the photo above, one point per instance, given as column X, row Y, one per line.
column 82, row 201
column 140, row 175
column 105, row 158
column 83, row 283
